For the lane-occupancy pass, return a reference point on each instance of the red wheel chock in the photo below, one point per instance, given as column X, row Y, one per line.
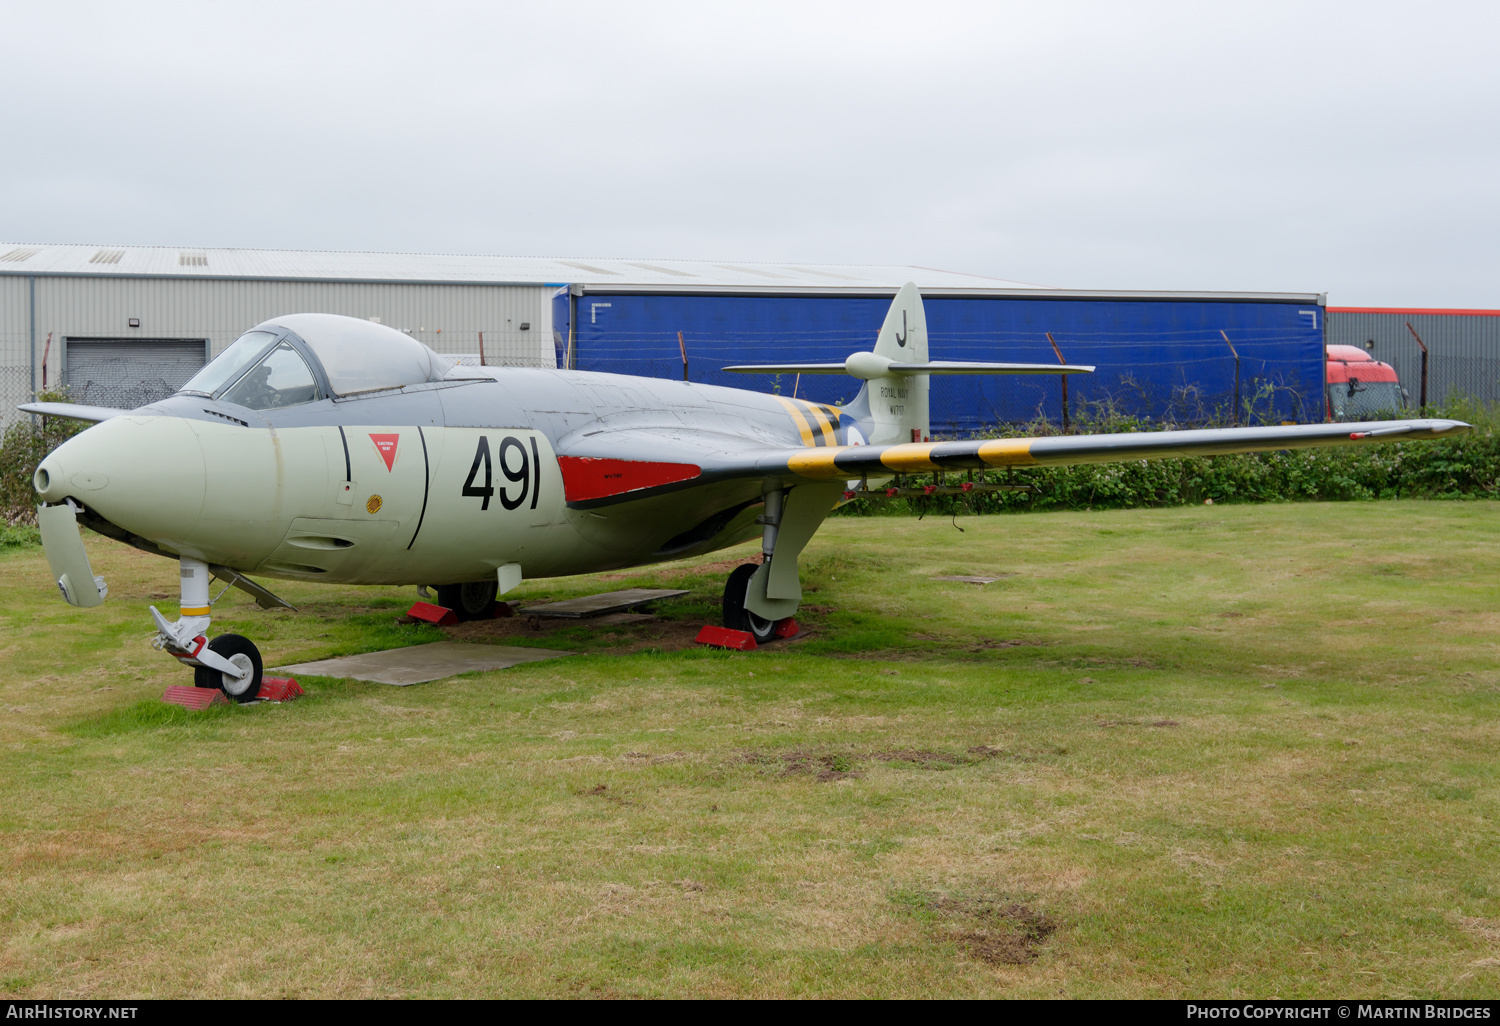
column 723, row 637
column 194, row 698
column 272, row 689
column 429, row 613
column 279, row 689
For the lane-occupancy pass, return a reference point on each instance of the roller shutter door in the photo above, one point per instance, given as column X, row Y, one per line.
column 126, row 373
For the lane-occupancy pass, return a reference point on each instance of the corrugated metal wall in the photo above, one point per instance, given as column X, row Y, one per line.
column 1157, row 359
column 15, row 345
column 449, row 318
column 1464, row 349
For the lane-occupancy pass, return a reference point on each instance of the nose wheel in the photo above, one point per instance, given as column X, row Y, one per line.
column 736, row 616
column 229, row 662
column 240, row 652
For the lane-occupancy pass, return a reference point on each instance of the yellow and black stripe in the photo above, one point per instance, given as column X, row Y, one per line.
column 912, row 457
column 817, row 423
column 850, row 461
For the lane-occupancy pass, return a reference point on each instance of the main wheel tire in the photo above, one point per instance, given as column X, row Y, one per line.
column 473, row 600
column 736, row 616
column 242, row 653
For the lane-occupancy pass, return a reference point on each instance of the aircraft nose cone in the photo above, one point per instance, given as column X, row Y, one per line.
column 145, row 474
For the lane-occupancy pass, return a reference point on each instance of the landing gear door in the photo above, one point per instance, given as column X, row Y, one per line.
column 67, row 558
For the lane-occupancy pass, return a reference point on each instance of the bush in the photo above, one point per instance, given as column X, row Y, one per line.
column 25, row 444
column 19, row 537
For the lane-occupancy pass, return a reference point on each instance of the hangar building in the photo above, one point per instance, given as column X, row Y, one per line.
column 123, row 325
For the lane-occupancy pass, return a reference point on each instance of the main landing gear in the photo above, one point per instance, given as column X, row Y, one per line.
column 472, row 601
column 759, row 598
column 229, row 662
column 736, row 616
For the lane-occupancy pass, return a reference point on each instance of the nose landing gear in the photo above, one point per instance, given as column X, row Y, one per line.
column 242, row 654
column 230, row 662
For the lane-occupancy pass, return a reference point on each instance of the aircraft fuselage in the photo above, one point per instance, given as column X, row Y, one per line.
column 440, row 482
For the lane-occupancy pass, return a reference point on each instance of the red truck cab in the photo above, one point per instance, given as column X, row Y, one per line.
column 1360, row 387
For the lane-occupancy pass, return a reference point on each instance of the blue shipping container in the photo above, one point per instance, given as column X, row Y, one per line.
column 1162, row 359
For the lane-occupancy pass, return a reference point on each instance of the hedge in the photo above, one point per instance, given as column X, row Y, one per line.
column 1464, row 467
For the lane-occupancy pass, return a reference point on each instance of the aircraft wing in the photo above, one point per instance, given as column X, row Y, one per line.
column 980, row 454
column 72, row 411
column 619, row 466
column 929, row 367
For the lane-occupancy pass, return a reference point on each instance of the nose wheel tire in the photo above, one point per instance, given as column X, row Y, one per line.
column 472, row 601
column 243, row 654
column 736, row 616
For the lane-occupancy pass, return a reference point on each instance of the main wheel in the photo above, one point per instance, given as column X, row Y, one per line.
column 474, row 600
column 736, row 616
column 243, row 654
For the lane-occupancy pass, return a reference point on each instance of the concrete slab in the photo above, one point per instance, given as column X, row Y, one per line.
column 418, row 664
column 608, row 602
column 620, row 619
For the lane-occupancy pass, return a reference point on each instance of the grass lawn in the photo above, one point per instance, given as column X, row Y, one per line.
column 1212, row 751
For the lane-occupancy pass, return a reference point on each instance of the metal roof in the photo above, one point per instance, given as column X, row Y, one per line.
column 436, row 268
column 1414, row 311
column 586, row 274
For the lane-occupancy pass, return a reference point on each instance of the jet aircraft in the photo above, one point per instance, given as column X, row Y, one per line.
column 326, row 448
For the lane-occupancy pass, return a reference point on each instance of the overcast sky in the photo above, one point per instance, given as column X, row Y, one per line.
column 1342, row 147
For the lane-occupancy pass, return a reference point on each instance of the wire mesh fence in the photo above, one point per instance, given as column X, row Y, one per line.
column 127, row 375
column 1190, row 379
column 1462, row 350
column 1193, row 377
column 15, row 375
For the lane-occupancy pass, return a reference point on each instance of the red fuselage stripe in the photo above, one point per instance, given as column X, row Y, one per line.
column 585, row 478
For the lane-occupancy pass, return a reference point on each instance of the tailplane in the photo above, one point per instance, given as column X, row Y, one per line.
column 892, row 406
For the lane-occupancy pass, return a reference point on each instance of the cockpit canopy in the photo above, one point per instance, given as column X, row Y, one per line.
column 362, row 356
column 276, row 364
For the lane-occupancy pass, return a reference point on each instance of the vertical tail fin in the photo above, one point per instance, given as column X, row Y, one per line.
column 897, row 403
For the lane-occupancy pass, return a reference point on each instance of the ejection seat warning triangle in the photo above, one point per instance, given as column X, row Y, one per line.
column 386, row 446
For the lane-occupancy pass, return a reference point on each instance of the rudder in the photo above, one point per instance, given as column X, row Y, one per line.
column 898, row 402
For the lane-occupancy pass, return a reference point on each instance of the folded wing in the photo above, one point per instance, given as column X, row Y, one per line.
column 72, row 411
column 861, row 366
column 621, row 466
column 981, row 454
